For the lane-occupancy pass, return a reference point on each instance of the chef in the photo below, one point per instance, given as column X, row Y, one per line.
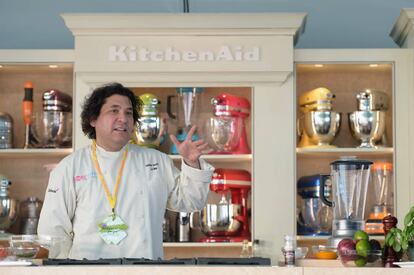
column 108, row 199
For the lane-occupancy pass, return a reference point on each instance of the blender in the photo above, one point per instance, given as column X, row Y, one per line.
column 187, row 112
column 227, row 220
column 225, row 132
column 314, row 216
column 382, row 183
column 350, row 178
column 151, row 127
column 317, row 125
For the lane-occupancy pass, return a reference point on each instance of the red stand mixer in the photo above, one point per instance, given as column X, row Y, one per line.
column 228, row 220
column 225, row 131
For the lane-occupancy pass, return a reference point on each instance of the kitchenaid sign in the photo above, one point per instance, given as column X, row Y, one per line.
column 170, row 54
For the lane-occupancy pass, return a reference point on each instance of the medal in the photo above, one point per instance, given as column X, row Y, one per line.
column 112, row 229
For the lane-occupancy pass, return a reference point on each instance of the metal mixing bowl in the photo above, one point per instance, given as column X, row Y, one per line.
column 322, row 126
column 218, row 219
column 367, row 127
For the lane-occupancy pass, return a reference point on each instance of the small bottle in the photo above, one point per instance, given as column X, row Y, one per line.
column 245, row 252
column 289, row 251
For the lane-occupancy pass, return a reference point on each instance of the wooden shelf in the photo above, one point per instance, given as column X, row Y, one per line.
column 204, row 245
column 35, row 153
column 336, row 152
column 221, row 158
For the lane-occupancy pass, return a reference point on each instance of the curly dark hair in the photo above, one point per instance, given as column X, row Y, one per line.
column 92, row 105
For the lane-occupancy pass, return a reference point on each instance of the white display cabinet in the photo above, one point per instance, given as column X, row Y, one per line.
column 252, row 52
column 346, row 72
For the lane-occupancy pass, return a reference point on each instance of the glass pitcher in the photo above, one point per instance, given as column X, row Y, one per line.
column 350, row 179
column 187, row 112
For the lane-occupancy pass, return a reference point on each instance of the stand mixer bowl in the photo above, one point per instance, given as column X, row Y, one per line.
column 52, row 129
column 218, row 219
column 322, row 126
column 367, row 127
column 223, row 133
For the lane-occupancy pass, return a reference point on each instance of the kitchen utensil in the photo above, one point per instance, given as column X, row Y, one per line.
column 151, row 128
column 6, row 131
column 52, row 129
column 317, row 124
column 367, row 127
column 29, row 215
column 314, row 217
column 321, row 127
column 350, row 178
column 227, row 220
column 187, row 112
column 183, row 227
column 225, row 131
column 383, row 196
column 27, row 109
column 8, row 206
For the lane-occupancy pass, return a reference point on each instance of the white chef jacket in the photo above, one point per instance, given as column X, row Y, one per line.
column 75, row 201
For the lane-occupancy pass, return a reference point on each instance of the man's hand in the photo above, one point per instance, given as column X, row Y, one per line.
column 191, row 150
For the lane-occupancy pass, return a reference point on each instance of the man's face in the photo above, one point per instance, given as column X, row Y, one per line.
column 115, row 123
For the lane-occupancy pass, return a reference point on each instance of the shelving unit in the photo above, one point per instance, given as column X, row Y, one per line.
column 28, row 169
column 345, row 72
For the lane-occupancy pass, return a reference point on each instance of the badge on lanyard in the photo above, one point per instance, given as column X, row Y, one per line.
column 112, row 229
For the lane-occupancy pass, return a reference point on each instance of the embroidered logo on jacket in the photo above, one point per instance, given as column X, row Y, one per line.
column 152, row 166
column 81, row 178
column 52, row 190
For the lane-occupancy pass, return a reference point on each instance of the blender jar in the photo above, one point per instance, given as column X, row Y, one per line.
column 350, row 179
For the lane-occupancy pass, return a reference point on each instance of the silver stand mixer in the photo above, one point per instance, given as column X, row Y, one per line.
column 8, row 207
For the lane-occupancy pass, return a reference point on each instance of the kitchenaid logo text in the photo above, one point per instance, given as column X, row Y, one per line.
column 170, row 54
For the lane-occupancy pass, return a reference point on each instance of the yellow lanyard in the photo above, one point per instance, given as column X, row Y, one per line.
column 111, row 199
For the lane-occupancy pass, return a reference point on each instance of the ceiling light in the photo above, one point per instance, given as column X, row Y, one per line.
column 53, row 66
column 318, row 65
column 373, row 65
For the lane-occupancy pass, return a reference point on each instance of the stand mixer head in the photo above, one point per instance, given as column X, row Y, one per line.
column 318, row 124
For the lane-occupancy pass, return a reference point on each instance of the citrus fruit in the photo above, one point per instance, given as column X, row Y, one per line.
column 361, row 261
column 361, row 235
column 363, row 248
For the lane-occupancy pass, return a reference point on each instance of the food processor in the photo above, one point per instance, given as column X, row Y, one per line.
column 227, row 220
column 350, row 179
column 187, row 112
column 367, row 124
column 225, row 131
column 317, row 125
column 314, row 216
column 151, row 128
column 383, row 195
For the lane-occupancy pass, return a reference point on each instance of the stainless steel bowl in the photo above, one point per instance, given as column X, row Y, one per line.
column 8, row 212
column 52, row 129
column 322, row 126
column 218, row 219
column 367, row 127
column 149, row 131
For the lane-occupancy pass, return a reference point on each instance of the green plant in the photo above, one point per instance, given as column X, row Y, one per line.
column 399, row 239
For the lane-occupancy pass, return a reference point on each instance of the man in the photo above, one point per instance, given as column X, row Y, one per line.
column 108, row 200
